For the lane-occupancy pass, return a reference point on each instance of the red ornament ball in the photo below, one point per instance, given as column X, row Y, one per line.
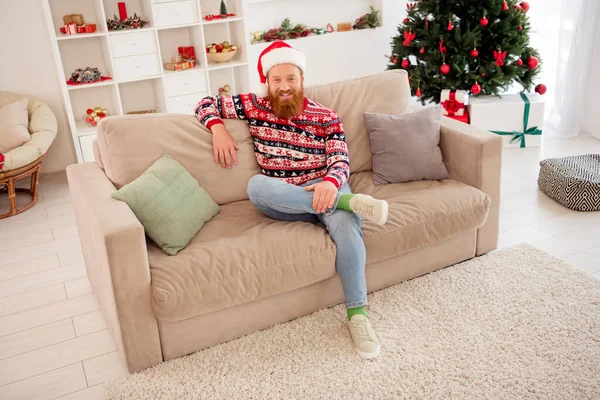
column 483, row 21
column 525, row 6
column 541, row 88
column 445, row 69
column 89, row 111
column 519, row 62
column 520, row 28
column 422, row 51
column 533, row 62
column 405, row 20
column 476, row 88
column 405, row 63
column 483, row 74
column 474, row 53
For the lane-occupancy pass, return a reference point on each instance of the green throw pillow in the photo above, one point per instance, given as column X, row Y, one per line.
column 169, row 203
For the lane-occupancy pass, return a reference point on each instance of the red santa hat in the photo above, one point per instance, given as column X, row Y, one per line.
column 278, row 52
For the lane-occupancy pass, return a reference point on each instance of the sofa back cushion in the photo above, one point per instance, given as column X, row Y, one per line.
column 384, row 93
column 130, row 144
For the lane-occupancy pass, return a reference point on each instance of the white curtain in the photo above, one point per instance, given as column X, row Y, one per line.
column 576, row 108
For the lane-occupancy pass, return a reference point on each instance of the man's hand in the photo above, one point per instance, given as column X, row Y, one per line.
column 224, row 147
column 324, row 197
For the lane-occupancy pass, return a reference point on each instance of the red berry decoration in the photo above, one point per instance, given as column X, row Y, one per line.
column 483, row 21
column 422, row 51
column 476, row 88
column 525, row 6
column 519, row 62
column 89, row 111
column 533, row 62
column 520, row 28
column 541, row 88
column 474, row 53
column 405, row 20
column 483, row 74
column 445, row 69
column 504, row 6
column 405, row 63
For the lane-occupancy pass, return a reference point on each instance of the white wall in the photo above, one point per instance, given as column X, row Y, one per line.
column 333, row 57
column 28, row 68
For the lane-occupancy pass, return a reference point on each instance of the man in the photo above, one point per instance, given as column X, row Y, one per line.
column 301, row 149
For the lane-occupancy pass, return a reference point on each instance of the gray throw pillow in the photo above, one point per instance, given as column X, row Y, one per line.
column 406, row 147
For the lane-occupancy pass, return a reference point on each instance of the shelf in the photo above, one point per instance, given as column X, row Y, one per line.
column 334, row 33
column 145, row 78
column 91, row 85
column 162, row 28
column 222, row 21
column 126, row 31
column 169, row 72
column 212, row 66
column 63, row 36
column 84, row 128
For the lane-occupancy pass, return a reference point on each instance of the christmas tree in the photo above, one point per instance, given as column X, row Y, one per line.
column 223, row 9
column 481, row 46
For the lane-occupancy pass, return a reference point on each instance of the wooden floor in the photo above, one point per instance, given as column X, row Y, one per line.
column 54, row 342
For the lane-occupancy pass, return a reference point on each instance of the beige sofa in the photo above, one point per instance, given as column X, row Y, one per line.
column 243, row 271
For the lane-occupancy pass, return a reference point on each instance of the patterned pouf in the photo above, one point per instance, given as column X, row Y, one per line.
column 572, row 181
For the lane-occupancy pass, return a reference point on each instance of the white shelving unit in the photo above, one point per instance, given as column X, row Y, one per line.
column 134, row 58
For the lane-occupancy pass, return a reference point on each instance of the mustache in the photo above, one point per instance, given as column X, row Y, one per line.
column 289, row 91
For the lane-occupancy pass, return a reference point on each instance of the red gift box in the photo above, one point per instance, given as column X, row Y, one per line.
column 70, row 29
column 187, row 51
column 462, row 118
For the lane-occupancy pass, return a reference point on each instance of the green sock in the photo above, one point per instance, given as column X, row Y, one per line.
column 344, row 202
column 355, row 311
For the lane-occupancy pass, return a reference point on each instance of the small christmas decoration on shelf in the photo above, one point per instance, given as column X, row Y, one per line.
column 285, row 31
column 223, row 9
column 212, row 17
column 329, row 28
column 344, row 27
column 185, row 59
column 86, row 76
column 225, row 90
column 93, row 116
column 221, row 52
column 369, row 20
column 123, row 22
column 75, row 23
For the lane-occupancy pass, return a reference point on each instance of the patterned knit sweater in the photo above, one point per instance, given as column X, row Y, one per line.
column 309, row 146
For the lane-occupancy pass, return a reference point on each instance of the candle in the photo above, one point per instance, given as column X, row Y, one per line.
column 122, row 10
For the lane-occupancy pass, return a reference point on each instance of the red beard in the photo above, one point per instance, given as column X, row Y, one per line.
column 288, row 108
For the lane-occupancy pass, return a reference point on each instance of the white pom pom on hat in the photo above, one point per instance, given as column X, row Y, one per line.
column 278, row 52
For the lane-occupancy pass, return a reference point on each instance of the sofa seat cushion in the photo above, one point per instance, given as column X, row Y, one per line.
column 421, row 213
column 238, row 257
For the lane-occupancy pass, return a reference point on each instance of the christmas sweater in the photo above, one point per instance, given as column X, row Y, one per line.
column 309, row 146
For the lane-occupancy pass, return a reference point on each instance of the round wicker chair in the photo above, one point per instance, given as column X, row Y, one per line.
column 26, row 160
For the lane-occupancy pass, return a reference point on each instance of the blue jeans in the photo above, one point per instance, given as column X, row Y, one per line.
column 287, row 202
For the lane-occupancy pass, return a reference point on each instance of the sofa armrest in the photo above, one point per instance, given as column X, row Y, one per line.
column 116, row 259
column 474, row 156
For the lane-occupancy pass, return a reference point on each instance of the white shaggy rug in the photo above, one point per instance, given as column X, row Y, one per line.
column 513, row 324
